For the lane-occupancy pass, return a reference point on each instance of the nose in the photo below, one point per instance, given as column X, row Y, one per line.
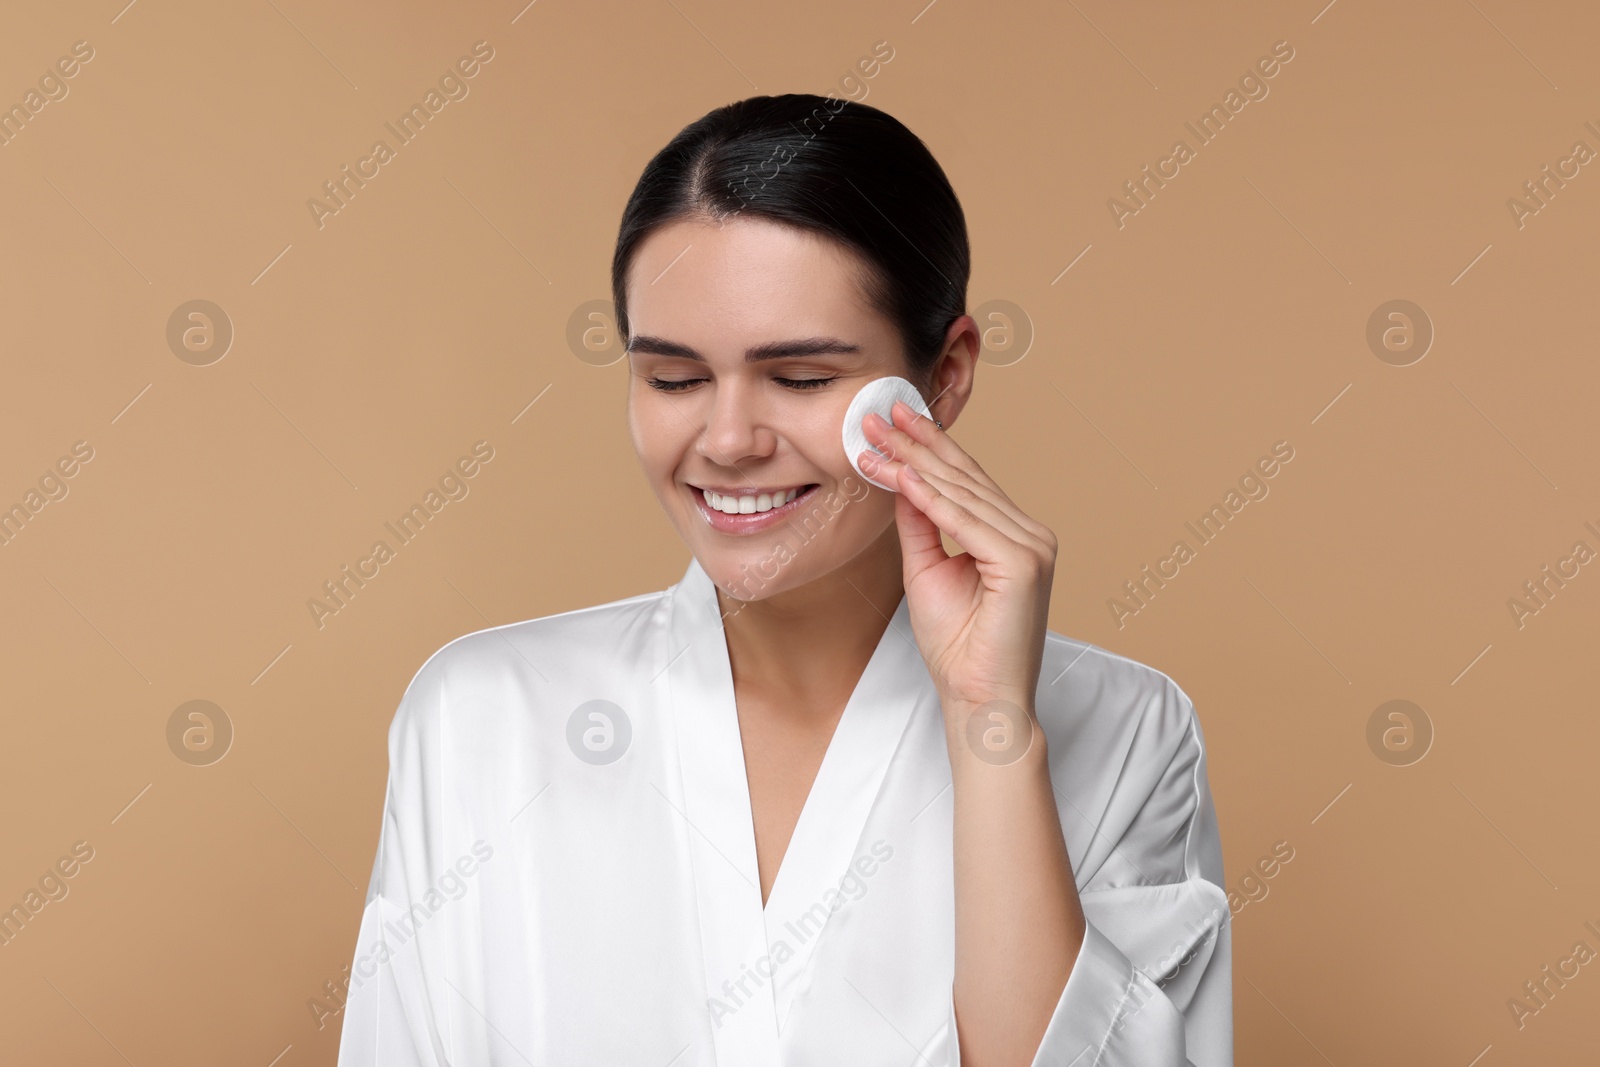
column 735, row 428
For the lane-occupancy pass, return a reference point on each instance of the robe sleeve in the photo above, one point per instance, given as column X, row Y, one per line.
column 1152, row 985
column 396, row 1013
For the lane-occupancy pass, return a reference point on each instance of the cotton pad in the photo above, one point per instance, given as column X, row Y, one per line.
column 877, row 395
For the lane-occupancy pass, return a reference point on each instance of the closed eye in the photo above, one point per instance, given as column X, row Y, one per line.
column 676, row 385
column 805, row 383
column 667, row 385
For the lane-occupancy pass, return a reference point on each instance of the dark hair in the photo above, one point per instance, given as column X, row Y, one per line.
column 830, row 166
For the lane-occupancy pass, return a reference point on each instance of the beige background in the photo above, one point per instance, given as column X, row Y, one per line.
column 1230, row 313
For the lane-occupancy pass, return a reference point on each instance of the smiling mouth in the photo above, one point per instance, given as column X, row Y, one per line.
column 754, row 503
column 749, row 512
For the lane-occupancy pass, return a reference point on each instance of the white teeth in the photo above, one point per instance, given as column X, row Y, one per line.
column 749, row 505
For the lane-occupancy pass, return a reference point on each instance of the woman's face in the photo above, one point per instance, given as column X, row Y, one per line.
column 749, row 340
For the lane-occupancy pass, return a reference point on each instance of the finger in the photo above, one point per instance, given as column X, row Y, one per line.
column 970, row 501
column 982, row 539
column 921, row 545
column 916, row 439
column 965, row 469
column 955, row 482
column 927, row 433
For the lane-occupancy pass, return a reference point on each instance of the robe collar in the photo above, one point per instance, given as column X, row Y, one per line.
column 750, row 980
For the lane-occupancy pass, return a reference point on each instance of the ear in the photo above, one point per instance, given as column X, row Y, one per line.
column 951, row 378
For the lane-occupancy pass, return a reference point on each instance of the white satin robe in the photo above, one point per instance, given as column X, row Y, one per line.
column 560, row 885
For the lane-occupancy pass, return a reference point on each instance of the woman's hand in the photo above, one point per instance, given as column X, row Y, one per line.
column 980, row 621
column 980, row 617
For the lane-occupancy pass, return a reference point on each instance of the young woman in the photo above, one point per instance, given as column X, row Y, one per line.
column 837, row 796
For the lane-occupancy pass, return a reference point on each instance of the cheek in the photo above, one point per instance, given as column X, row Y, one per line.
column 877, row 510
column 821, row 440
column 858, row 520
column 656, row 436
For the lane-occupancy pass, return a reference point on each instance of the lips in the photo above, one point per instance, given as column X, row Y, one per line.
column 749, row 522
column 749, row 500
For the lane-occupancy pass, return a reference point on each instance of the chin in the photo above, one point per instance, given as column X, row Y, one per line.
column 754, row 575
column 828, row 532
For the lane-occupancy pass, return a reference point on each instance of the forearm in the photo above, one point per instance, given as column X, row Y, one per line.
column 1018, row 920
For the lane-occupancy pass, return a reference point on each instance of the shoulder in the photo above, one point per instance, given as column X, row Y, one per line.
column 525, row 657
column 1098, row 697
column 1127, row 757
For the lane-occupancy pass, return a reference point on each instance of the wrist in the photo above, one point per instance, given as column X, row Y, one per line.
column 958, row 704
column 999, row 732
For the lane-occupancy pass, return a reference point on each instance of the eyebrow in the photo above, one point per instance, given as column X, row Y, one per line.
column 806, row 346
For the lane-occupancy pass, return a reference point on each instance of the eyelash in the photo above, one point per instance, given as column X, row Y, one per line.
column 797, row 384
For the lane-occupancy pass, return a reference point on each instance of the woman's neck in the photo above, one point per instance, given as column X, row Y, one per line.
column 813, row 642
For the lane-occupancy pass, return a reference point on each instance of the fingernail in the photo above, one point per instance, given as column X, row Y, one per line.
column 911, row 472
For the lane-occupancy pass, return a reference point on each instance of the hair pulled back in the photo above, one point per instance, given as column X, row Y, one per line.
column 829, row 166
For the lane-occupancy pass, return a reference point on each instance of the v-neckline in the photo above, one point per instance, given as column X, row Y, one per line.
column 736, row 928
column 833, row 732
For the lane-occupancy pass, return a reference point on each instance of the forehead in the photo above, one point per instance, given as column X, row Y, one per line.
column 746, row 280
